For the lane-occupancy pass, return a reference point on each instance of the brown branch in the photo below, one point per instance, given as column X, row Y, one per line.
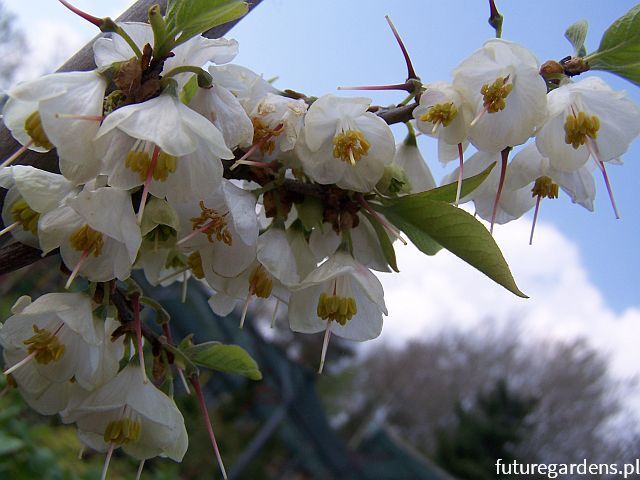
column 17, row 255
column 399, row 114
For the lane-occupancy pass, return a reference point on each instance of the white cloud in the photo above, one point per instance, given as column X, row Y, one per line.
column 433, row 292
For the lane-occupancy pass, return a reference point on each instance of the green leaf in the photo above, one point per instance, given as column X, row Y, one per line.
column 577, row 34
column 418, row 236
column 423, row 219
column 224, row 358
column 189, row 18
column 619, row 50
column 385, row 243
column 447, row 193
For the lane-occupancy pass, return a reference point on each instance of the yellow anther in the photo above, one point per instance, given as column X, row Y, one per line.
column 440, row 113
column 336, row 308
column 33, row 127
column 495, row 94
column 139, row 161
column 264, row 135
column 87, row 239
column 578, row 128
column 350, row 146
column 217, row 225
column 260, row 282
column 545, row 187
column 123, row 431
column 23, row 214
column 194, row 261
column 46, row 345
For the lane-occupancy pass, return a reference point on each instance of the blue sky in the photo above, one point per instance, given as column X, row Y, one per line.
column 581, row 271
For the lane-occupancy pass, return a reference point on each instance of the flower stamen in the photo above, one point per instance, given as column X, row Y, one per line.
column 33, row 127
column 440, row 113
column 87, row 240
column 336, row 308
column 260, row 282
column 122, row 431
column 579, row 127
column 494, row 95
column 194, row 261
column 262, row 142
column 23, row 215
column 350, row 146
column 263, row 135
column 211, row 223
column 45, row 345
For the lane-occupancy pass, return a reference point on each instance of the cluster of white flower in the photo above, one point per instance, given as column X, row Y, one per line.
column 498, row 100
column 65, row 362
column 215, row 174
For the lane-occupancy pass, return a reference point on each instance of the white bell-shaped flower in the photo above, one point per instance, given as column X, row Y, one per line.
column 444, row 114
column 222, row 228
column 277, row 122
column 345, row 144
column 165, row 145
column 275, row 270
column 587, row 118
column 578, row 184
column 126, row 412
column 54, row 340
column 96, row 231
column 509, row 97
column 341, row 296
column 61, row 110
column 32, row 192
